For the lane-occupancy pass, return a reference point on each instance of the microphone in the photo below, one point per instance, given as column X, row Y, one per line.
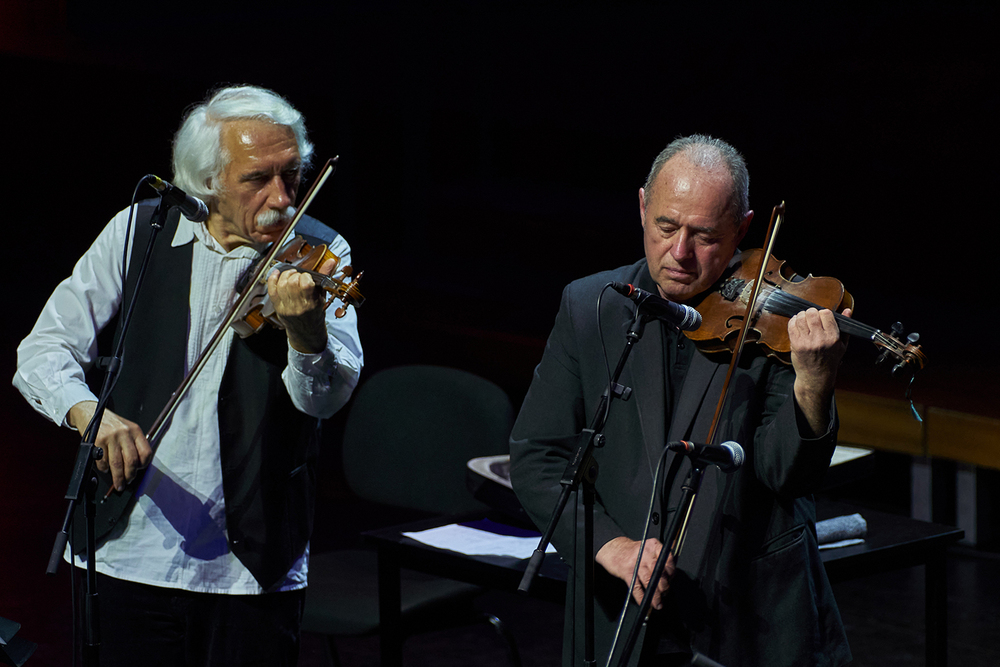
column 683, row 317
column 728, row 456
column 193, row 208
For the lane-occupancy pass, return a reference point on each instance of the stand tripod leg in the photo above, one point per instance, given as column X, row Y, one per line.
column 92, row 631
column 588, row 580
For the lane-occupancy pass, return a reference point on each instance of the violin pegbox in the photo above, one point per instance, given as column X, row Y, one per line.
column 906, row 354
column 348, row 292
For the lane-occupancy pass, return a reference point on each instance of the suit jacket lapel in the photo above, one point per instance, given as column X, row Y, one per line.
column 645, row 367
column 644, row 373
column 695, row 406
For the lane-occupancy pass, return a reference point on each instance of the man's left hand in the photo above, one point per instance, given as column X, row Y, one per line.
column 817, row 349
column 299, row 303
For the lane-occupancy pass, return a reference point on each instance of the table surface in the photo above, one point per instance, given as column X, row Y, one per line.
column 892, row 542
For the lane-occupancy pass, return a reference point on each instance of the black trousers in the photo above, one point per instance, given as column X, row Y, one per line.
column 152, row 626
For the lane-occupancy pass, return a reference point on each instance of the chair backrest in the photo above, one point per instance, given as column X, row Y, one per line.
column 411, row 431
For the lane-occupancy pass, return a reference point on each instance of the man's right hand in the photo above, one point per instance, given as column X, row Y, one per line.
column 126, row 450
column 618, row 557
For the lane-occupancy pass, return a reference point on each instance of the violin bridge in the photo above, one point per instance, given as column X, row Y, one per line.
column 734, row 289
column 738, row 288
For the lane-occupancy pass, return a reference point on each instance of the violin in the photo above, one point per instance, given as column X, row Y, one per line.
column 783, row 294
column 300, row 255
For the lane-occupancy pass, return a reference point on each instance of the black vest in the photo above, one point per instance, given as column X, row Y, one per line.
column 268, row 448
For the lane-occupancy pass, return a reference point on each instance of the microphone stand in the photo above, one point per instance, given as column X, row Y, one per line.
column 674, row 537
column 83, row 480
column 582, row 471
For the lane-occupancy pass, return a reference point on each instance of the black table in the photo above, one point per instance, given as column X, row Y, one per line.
column 893, row 542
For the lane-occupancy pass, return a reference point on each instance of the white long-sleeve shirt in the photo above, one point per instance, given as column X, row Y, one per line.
column 176, row 536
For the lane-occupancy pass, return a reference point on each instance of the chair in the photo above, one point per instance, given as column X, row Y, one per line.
column 406, row 442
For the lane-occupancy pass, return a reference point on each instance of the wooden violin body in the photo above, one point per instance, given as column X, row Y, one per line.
column 300, row 255
column 782, row 295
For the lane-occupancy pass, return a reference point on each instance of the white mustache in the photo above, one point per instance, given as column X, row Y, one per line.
column 272, row 217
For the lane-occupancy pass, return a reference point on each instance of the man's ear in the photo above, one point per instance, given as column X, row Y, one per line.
column 642, row 207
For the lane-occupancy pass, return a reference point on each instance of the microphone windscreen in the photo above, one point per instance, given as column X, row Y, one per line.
column 737, row 450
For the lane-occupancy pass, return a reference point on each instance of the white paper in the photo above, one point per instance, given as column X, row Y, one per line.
column 842, row 543
column 475, row 542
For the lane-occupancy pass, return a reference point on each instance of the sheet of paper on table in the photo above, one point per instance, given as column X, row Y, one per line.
column 475, row 542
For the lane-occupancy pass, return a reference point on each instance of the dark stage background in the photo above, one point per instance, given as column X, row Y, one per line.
column 492, row 151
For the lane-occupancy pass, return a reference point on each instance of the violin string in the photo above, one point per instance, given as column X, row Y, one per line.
column 790, row 304
column 330, row 282
column 793, row 304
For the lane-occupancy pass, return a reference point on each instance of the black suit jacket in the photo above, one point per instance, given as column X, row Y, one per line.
column 750, row 587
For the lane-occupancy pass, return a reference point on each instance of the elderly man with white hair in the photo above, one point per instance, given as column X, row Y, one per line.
column 205, row 560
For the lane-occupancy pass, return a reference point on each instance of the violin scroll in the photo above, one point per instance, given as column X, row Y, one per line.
column 907, row 356
column 348, row 292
